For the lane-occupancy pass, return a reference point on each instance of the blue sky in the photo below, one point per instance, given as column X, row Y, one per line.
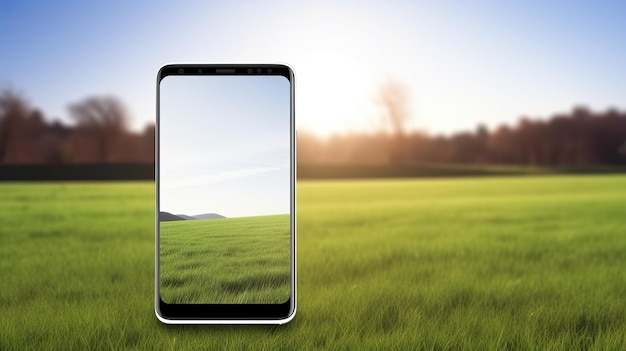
column 463, row 63
column 224, row 145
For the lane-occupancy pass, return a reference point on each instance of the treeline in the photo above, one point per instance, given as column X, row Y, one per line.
column 579, row 138
column 100, row 134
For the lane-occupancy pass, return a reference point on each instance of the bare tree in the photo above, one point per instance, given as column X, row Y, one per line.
column 103, row 118
column 13, row 112
column 394, row 101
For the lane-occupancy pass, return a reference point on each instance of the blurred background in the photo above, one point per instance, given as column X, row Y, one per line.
column 475, row 83
column 522, row 103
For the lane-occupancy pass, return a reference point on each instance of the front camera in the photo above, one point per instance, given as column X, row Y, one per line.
column 258, row 70
column 180, row 70
column 249, row 70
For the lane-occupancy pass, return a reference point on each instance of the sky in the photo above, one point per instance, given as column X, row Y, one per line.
column 224, row 145
column 461, row 62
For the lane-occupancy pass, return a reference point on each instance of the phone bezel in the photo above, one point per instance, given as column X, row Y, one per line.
column 229, row 313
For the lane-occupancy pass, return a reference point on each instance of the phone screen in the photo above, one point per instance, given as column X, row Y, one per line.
column 225, row 198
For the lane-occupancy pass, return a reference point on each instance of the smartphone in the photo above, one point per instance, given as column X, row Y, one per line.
column 225, row 194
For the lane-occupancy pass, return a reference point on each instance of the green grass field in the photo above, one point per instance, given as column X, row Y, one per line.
column 226, row 260
column 529, row 263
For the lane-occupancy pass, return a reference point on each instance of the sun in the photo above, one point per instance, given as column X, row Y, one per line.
column 334, row 93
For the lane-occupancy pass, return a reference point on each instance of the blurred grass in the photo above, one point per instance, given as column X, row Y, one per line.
column 532, row 263
column 226, row 260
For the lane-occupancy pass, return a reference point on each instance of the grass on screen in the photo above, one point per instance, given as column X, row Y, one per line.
column 529, row 263
column 226, row 260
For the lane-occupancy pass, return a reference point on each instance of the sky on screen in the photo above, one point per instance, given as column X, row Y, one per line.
column 224, row 145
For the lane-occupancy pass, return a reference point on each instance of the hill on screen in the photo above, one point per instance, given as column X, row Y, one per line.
column 185, row 216
column 208, row 216
column 166, row 216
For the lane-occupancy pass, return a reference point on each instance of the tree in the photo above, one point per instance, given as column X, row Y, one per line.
column 394, row 101
column 502, row 145
column 14, row 110
column 104, row 119
column 148, row 140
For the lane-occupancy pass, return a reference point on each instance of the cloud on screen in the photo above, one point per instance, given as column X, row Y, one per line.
column 221, row 176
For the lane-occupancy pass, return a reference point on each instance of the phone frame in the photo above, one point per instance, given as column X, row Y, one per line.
column 228, row 313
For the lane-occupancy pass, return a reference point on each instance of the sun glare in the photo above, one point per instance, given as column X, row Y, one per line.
column 334, row 93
